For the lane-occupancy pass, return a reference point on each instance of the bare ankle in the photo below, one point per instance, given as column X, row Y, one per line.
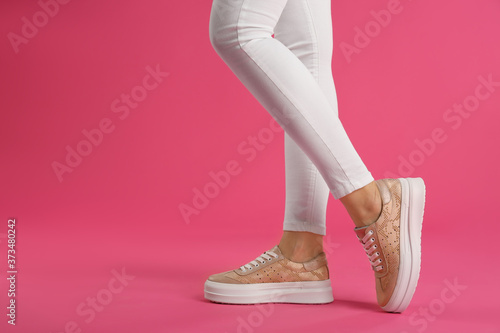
column 364, row 205
column 300, row 246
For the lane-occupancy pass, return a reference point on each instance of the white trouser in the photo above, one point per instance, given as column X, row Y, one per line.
column 290, row 75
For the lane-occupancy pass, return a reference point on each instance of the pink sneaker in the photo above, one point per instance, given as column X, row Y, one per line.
column 392, row 243
column 272, row 278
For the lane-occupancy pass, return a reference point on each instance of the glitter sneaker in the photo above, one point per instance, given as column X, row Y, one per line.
column 392, row 243
column 272, row 278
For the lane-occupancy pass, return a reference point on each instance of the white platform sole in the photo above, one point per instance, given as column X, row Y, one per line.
column 412, row 211
column 308, row 292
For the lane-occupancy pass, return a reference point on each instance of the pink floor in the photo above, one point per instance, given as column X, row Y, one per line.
column 102, row 245
column 64, row 267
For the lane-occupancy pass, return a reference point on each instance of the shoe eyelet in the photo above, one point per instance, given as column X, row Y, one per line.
column 375, row 246
column 378, row 253
column 270, row 259
column 371, row 232
column 373, row 239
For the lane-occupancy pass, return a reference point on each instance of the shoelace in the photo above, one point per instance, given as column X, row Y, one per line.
column 268, row 255
column 370, row 250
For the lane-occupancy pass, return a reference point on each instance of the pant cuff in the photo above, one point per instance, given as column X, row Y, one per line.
column 304, row 226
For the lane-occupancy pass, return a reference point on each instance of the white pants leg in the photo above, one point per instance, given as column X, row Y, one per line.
column 288, row 77
column 306, row 191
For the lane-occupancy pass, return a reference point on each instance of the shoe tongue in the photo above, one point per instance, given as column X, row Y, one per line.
column 276, row 250
column 360, row 232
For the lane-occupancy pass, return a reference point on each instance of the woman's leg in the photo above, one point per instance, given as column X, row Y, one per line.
column 306, row 191
column 312, row 43
column 241, row 32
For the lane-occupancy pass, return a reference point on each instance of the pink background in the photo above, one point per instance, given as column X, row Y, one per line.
column 119, row 208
